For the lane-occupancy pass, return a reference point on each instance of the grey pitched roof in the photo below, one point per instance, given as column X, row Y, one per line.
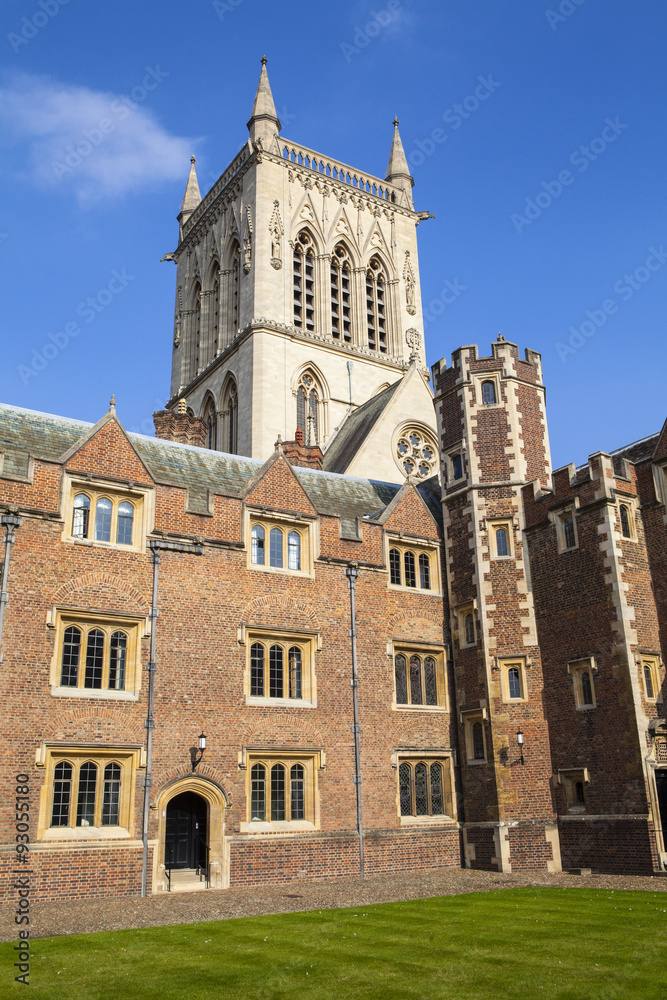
column 42, row 435
column 356, row 429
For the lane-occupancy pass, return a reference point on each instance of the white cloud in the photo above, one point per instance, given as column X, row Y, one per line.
column 98, row 144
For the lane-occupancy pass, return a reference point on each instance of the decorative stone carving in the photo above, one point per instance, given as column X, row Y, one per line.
column 413, row 338
column 276, row 231
column 409, row 278
column 247, row 243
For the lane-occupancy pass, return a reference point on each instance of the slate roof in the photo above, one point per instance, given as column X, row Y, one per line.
column 43, row 435
column 356, row 429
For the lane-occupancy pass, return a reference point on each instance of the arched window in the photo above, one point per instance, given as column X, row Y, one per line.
column 376, row 306
column 257, row 545
column 502, row 548
column 401, row 680
column 85, row 807
column 258, row 793
column 277, row 793
column 215, row 313
column 410, row 570
column 297, row 792
column 395, row 567
column 469, row 630
column 62, row 794
column 514, row 682
column 111, row 795
column 125, row 521
column 69, row 671
column 648, row 681
column 117, row 661
column 234, row 291
column 586, row 688
column 211, row 423
column 341, row 319
column 424, row 572
column 257, row 670
column 457, row 466
column 430, row 684
column 276, row 548
column 196, row 331
column 625, row 521
column 294, row 550
column 568, row 532
column 307, row 416
column 230, row 409
column 437, row 798
column 94, row 659
column 477, row 741
column 488, row 392
column 415, row 680
column 294, row 662
column 304, row 282
column 276, row 672
column 405, row 789
column 103, row 510
column 421, row 788
column 80, row 516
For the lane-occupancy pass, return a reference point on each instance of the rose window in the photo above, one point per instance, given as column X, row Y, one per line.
column 416, row 455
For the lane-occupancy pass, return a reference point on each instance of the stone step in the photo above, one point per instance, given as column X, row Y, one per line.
column 186, row 880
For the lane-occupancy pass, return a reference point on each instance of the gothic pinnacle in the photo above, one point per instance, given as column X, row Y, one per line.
column 264, row 123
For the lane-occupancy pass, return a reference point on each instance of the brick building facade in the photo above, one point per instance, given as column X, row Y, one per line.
column 500, row 625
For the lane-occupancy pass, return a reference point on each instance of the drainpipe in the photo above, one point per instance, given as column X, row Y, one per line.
column 10, row 521
column 155, row 545
column 352, row 572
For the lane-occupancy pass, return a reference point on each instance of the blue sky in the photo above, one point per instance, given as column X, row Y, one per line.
column 534, row 129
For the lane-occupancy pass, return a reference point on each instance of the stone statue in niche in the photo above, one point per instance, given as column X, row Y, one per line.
column 409, row 278
column 276, row 231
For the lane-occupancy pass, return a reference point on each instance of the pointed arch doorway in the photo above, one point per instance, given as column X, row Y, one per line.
column 191, row 835
column 186, row 832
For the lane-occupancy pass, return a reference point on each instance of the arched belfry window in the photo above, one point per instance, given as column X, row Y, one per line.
column 341, row 271
column 211, row 423
column 214, row 316
column 376, row 306
column 235, row 289
column 230, row 415
column 304, row 282
column 196, row 330
column 308, row 398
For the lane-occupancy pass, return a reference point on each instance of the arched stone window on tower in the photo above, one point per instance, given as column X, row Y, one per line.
column 196, row 330
column 308, row 399
column 341, row 271
column 304, row 282
column 215, row 313
column 376, row 306
column 230, row 416
column 211, row 423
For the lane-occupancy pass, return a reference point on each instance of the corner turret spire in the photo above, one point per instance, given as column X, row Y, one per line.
column 191, row 198
column 264, row 123
column 398, row 172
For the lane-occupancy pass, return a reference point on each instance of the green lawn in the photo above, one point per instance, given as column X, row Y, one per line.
column 518, row 943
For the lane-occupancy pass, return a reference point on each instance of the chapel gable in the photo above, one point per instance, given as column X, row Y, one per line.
column 107, row 451
column 276, row 486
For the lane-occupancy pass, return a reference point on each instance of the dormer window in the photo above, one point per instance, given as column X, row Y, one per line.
column 275, row 545
column 409, row 567
column 106, row 517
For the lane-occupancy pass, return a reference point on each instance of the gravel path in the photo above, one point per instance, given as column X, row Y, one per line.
column 81, row 916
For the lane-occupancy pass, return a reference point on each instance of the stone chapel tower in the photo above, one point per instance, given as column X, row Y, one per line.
column 298, row 306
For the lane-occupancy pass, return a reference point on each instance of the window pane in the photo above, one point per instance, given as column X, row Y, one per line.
column 457, row 462
column 415, row 680
column 117, row 659
column 258, row 793
column 477, row 741
column 125, row 519
column 405, row 789
column 424, row 572
column 276, row 548
column 94, row 659
column 430, row 681
column 277, row 792
column 514, row 682
column 80, row 516
column 257, row 669
column 69, row 672
column 85, row 809
column 437, row 802
column 488, row 392
column 103, row 520
column 298, row 798
column 648, row 681
column 401, row 680
column 469, row 630
column 257, row 545
column 395, row 567
column 295, row 672
column 625, row 522
column 501, row 542
column 410, row 573
column 294, row 550
column 276, row 672
column 579, row 793
column 568, row 528
column 421, row 791
column 111, row 796
column 62, row 794
column 586, row 688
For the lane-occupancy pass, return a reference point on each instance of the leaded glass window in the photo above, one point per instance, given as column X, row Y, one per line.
column 94, row 659
column 415, row 680
column 294, row 550
column 586, row 688
column 568, row 531
column 117, row 661
column 410, row 570
column 257, row 545
column 257, row 669
column 258, row 793
column 648, row 681
column 625, row 522
column 424, row 571
column 69, row 672
column 514, row 682
column 422, row 789
column 297, row 792
column 85, row 809
column 103, row 510
column 488, row 393
column 502, row 547
column 430, row 684
column 294, row 660
column 395, row 567
column 125, row 521
column 469, row 630
column 437, row 800
column 80, row 516
column 477, row 741
column 111, row 795
column 276, row 548
column 307, row 413
column 401, row 680
column 62, row 794
column 277, row 793
column 405, row 789
column 276, row 672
